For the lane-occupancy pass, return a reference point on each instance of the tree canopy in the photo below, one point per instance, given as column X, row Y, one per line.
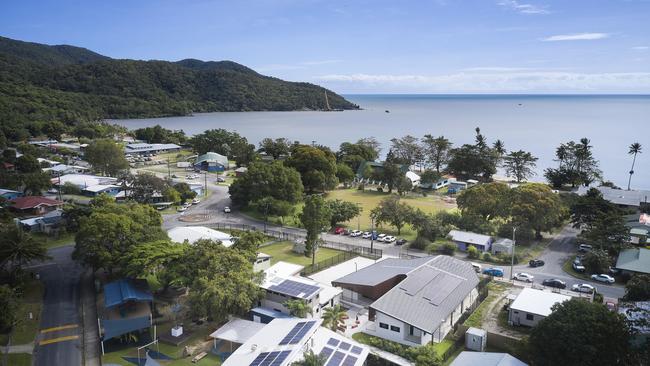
column 315, row 218
column 393, row 212
column 267, row 180
column 317, row 167
column 106, row 157
column 520, row 164
column 576, row 165
column 227, row 143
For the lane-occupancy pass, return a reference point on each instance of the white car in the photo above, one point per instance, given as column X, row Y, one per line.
column 181, row 209
column 583, row 287
column 602, row 278
column 381, row 237
column 367, row 235
column 226, row 209
column 196, row 201
column 389, row 239
column 355, row 233
column 523, row 277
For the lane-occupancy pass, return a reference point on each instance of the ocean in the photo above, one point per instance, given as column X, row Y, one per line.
column 535, row 123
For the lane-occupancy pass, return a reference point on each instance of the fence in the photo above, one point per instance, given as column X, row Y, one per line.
column 326, row 263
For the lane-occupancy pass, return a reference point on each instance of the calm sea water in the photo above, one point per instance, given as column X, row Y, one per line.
column 534, row 123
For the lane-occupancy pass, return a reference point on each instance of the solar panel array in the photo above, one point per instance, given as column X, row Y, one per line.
column 270, row 358
column 295, row 289
column 298, row 332
column 338, row 353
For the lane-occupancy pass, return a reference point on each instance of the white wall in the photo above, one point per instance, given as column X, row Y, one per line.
column 518, row 317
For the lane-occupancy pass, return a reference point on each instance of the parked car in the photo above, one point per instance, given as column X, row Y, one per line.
column 196, row 201
column 495, row 272
column 584, row 248
column 346, row 232
column 583, row 287
column 523, row 277
column 602, row 278
column 536, row 263
column 355, row 233
column 221, row 179
column 401, row 242
column 339, row 230
column 389, row 239
column 181, row 209
column 614, row 271
column 381, row 237
column 554, row 282
column 367, row 235
column 577, row 266
column 226, row 209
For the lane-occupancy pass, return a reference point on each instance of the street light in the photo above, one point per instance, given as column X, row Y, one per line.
column 512, row 257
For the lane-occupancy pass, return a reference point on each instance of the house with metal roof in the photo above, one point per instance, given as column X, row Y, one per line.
column 468, row 358
column 463, row 239
column 143, row 148
column 502, row 245
column 82, row 180
column 96, row 190
column 211, row 162
column 622, row 198
column 9, row 194
column 283, row 342
column 532, row 305
column 636, row 260
column 425, row 305
column 195, row 233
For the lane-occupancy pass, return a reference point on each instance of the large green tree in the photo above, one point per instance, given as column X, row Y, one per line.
column 18, row 249
column 276, row 147
column 535, row 205
column 267, row 180
column 576, row 165
column 520, row 165
column 602, row 223
column 317, row 167
column 490, row 200
column 581, row 333
column 227, row 143
column 353, row 154
column 106, row 157
column 342, row 211
column 315, row 218
column 146, row 187
column 407, row 150
column 638, row 288
column 393, row 212
column 436, row 151
column 344, row 174
column 477, row 161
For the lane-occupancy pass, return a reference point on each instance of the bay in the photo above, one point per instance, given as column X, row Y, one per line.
column 535, row 123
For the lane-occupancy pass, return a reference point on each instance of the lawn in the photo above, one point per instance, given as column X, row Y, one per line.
column 568, row 268
column 31, row 302
column 18, row 359
column 494, row 290
column 370, row 199
column 282, row 252
column 389, row 345
column 50, row 242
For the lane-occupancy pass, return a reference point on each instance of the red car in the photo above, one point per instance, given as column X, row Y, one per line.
column 339, row 230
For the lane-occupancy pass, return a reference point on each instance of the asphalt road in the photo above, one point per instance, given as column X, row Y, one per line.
column 59, row 339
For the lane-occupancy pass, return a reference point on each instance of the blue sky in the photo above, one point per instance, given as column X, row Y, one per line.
column 425, row 46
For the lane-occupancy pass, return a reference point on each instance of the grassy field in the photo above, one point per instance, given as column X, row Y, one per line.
column 282, row 252
column 18, row 359
column 370, row 199
column 32, row 302
column 568, row 268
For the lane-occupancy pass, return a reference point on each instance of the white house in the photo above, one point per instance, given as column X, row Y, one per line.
column 532, row 305
column 195, row 233
column 426, row 305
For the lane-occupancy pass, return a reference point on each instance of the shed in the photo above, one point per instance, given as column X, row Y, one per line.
column 476, row 339
column 502, row 245
column 463, row 239
column 532, row 305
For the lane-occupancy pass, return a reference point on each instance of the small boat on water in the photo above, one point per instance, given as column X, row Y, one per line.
column 387, row 111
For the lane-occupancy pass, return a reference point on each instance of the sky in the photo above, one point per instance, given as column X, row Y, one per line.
column 373, row 46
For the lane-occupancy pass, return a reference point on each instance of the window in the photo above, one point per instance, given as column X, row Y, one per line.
column 394, row 328
column 530, row 317
column 383, row 325
column 411, row 330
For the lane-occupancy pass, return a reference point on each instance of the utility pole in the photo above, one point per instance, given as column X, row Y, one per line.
column 372, row 232
column 205, row 184
column 512, row 257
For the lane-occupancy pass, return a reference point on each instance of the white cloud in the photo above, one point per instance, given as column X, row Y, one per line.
column 298, row 66
column 640, row 48
column 523, row 8
column 496, row 82
column 320, row 62
column 576, row 37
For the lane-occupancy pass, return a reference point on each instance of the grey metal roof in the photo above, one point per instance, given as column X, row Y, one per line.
column 469, row 237
column 467, row 358
column 619, row 196
column 429, row 293
column 382, row 271
column 635, row 260
column 503, row 242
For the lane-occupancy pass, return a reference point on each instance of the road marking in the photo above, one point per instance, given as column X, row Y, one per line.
column 57, row 340
column 62, row 327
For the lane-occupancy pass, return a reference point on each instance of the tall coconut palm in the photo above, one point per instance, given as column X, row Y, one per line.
column 333, row 317
column 635, row 149
column 18, row 248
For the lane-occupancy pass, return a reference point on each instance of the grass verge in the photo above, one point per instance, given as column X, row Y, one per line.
column 19, row 359
column 63, row 240
column 31, row 302
column 282, row 251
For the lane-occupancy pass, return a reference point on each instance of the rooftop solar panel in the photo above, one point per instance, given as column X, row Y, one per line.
column 344, row 346
column 349, row 361
column 336, row 359
column 297, row 333
column 258, row 360
column 295, row 289
column 326, row 352
column 279, row 359
column 356, row 350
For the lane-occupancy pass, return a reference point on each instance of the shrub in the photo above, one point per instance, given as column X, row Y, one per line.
column 472, row 252
column 420, row 243
column 69, row 188
column 487, row 257
column 447, row 249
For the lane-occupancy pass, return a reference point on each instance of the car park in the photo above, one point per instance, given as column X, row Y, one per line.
column 584, row 248
column 226, row 209
column 603, row 278
column 355, row 233
column 536, row 263
column 367, row 235
column 583, row 287
column 554, row 282
column 525, row 277
column 495, row 272
column 401, row 242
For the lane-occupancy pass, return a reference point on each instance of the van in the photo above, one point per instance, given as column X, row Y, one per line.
column 584, row 248
column 477, row 267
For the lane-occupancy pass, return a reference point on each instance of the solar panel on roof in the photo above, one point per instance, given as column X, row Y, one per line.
column 297, row 333
column 336, row 359
column 349, row 361
column 357, row 350
column 258, row 360
column 344, row 346
column 326, row 352
column 295, row 289
column 333, row 342
column 280, row 358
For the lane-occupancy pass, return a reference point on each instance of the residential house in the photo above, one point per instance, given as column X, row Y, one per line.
column 34, row 205
column 9, row 194
column 96, row 190
column 283, row 342
column 82, row 180
column 427, row 304
column 241, row 171
column 502, row 245
column 63, row 169
column 211, row 162
column 468, row 358
column 639, row 225
column 49, row 223
column 281, row 283
column 143, row 148
column 456, row 186
column 532, row 305
column 635, row 199
column 632, row 261
column 192, row 234
column 463, row 239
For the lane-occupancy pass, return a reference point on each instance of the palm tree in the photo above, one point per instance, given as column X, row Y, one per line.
column 333, row 317
column 310, row 359
column 18, row 248
column 298, row 308
column 499, row 150
column 635, row 148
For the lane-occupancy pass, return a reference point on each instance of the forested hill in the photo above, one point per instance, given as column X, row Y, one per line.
column 41, row 83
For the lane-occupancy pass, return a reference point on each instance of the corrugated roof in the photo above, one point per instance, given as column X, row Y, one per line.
column 124, row 290
column 382, row 271
column 635, row 260
column 212, row 157
column 429, row 293
column 537, row 301
column 619, row 196
column 23, row 203
column 469, row 237
column 467, row 358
